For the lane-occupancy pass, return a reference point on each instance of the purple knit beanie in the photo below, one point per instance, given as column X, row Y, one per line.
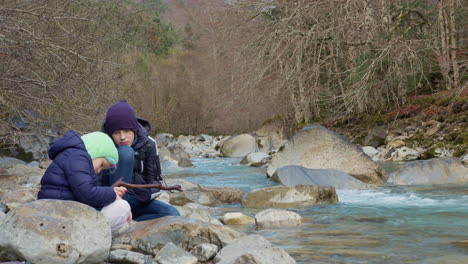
column 120, row 116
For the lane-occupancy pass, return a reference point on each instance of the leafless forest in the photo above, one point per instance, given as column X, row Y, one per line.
column 214, row 66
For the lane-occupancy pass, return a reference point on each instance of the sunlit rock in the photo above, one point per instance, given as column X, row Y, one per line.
column 283, row 196
column 316, row 147
column 239, row 146
column 53, row 231
column 235, row 218
column 276, row 217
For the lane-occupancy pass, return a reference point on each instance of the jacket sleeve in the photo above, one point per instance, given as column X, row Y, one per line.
column 151, row 164
column 83, row 185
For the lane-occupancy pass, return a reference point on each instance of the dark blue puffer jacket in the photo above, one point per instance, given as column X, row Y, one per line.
column 71, row 175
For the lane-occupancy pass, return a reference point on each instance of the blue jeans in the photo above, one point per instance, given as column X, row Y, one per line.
column 140, row 210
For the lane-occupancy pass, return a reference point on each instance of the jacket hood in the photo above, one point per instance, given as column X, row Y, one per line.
column 70, row 140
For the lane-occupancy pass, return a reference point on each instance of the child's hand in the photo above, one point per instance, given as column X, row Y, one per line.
column 120, row 191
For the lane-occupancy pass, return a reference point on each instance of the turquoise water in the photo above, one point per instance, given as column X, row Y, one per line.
column 383, row 225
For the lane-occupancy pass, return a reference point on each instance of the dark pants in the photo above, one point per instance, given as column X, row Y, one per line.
column 141, row 210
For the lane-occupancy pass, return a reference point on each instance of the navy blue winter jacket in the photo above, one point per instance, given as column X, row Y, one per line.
column 71, row 175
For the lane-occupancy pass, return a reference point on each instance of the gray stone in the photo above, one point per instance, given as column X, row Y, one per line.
column 283, row 196
column 266, row 256
column 376, row 137
column 239, row 146
column 171, row 254
column 129, row 257
column 204, row 252
column 197, row 214
column 10, row 160
column 296, row 175
column 231, row 252
column 316, row 147
column 53, row 231
column 181, row 231
column 254, row 157
column 433, row 171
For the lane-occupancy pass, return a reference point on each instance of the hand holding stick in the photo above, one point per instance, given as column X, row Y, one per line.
column 120, row 182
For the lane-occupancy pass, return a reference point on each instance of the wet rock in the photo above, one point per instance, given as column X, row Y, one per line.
column 316, row 147
column 239, row 146
column 370, row 151
column 237, row 219
column 283, row 196
column 433, row 171
column 171, row 254
column 250, row 248
column 197, row 214
column 292, row 175
column 152, row 235
column 129, row 257
column 179, row 198
column 204, row 252
column 275, row 218
column 53, row 231
column 221, row 195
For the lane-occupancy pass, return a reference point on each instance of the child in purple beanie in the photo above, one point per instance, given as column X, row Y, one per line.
column 138, row 161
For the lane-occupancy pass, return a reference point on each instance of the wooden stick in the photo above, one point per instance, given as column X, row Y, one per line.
column 120, row 182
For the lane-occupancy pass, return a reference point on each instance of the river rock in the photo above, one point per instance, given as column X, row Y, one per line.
column 316, row 147
column 292, row 175
column 222, row 194
column 405, row 154
column 10, row 161
column 239, row 252
column 53, row 231
column 272, row 135
column 376, row 137
column 235, row 218
column 18, row 196
column 276, row 217
column 185, row 184
column 204, row 252
column 129, row 257
column 284, row 196
column 150, row 236
column 192, row 213
column 172, row 254
column 433, row 171
column 239, row 146
column 266, row 256
column 12, row 176
column 255, row 157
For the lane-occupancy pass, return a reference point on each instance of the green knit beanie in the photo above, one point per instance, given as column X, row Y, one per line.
column 100, row 145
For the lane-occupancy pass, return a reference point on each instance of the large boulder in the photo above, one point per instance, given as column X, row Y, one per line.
column 316, row 147
column 239, row 146
column 53, row 231
column 271, row 135
column 433, row 171
column 152, row 235
column 12, row 176
column 296, row 175
column 283, row 196
column 253, row 249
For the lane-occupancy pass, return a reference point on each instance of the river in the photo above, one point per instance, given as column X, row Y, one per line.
column 415, row 224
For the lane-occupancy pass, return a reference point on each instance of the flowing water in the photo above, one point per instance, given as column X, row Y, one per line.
column 383, row 225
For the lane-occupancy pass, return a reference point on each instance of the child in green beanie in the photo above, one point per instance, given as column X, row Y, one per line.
column 72, row 175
